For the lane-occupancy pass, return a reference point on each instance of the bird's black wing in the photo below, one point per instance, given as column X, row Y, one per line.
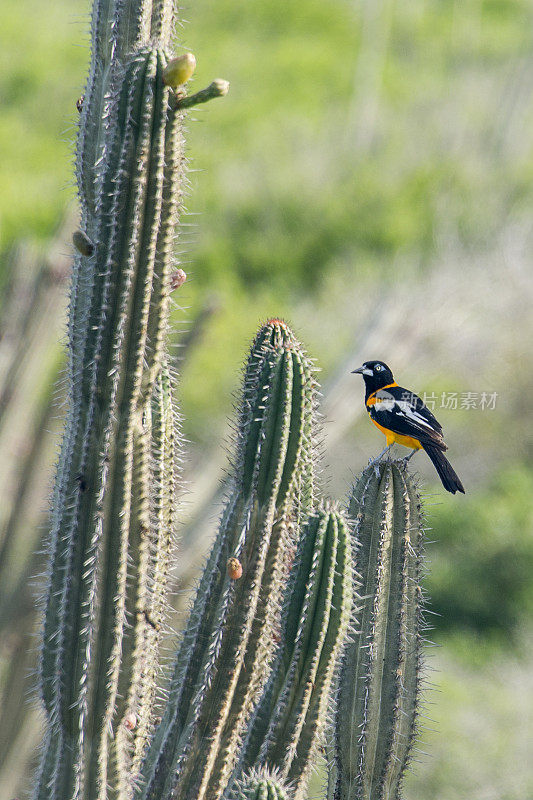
column 403, row 412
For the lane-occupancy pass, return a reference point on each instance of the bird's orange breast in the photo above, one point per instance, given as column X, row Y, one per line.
column 398, row 438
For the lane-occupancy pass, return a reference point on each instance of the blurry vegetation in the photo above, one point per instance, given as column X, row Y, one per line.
column 370, row 177
column 482, row 561
column 355, row 132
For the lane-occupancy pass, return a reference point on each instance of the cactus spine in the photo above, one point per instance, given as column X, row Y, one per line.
column 380, row 674
column 261, row 785
column 226, row 652
column 109, row 548
column 291, row 715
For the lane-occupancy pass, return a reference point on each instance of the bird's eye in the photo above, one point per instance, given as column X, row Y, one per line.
column 378, row 367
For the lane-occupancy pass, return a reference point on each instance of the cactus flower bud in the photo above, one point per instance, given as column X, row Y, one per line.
column 220, row 87
column 179, row 70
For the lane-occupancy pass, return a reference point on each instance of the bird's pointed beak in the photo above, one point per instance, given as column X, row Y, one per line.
column 360, row 371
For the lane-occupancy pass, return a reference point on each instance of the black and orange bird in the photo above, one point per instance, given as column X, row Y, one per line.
column 404, row 418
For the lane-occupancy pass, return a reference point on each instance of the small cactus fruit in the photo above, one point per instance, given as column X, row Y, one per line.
column 287, row 725
column 130, row 722
column 380, row 673
column 234, row 569
column 82, row 243
column 179, row 70
column 227, row 648
column 261, row 785
column 177, row 279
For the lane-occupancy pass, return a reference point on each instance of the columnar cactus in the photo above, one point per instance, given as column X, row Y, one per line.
column 257, row 664
column 227, row 649
column 380, row 674
column 113, row 500
column 285, row 732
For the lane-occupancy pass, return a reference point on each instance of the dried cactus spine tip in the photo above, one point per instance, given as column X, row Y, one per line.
column 177, row 279
column 130, row 721
column 82, row 243
column 179, row 70
column 234, row 568
column 277, row 321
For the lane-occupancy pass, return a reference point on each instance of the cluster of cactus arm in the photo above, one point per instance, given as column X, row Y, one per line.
column 299, row 609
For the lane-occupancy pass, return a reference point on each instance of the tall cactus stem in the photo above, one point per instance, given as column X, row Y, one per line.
column 380, row 675
column 105, row 566
column 289, row 720
column 227, row 648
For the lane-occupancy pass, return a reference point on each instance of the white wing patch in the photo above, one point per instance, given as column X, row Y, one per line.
column 386, row 402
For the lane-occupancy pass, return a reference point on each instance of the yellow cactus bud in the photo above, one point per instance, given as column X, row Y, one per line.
column 179, row 70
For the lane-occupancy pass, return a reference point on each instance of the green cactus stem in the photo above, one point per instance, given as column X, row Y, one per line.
column 109, row 548
column 151, row 544
column 380, row 674
column 218, row 88
column 289, row 720
column 227, row 648
column 117, row 31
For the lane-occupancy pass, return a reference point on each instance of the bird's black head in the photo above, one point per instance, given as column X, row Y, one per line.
column 376, row 375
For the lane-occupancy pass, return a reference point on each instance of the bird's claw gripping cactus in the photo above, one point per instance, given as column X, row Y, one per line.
column 380, row 674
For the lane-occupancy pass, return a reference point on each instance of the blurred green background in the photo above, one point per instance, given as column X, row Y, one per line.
column 370, row 178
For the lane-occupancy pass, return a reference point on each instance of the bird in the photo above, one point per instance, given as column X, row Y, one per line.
column 404, row 418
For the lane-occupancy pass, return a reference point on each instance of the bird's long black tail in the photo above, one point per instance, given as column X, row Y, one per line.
column 447, row 474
